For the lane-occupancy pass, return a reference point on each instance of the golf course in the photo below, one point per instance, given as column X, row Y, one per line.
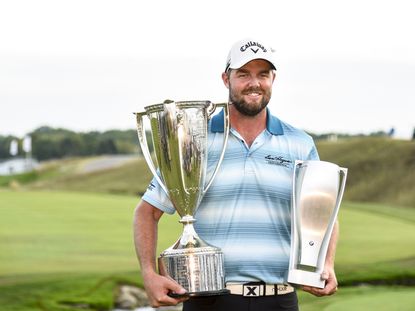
column 66, row 233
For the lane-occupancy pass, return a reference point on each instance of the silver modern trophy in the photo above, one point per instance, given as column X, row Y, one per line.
column 179, row 133
column 318, row 188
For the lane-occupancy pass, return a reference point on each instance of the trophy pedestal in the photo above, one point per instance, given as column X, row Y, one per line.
column 198, row 270
column 296, row 276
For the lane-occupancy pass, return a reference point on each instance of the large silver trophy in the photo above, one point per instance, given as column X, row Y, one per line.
column 318, row 188
column 179, row 134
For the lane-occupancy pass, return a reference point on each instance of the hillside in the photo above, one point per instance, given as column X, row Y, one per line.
column 380, row 170
column 87, row 174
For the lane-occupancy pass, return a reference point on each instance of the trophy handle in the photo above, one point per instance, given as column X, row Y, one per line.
column 225, row 138
column 211, row 109
column 144, row 148
column 343, row 174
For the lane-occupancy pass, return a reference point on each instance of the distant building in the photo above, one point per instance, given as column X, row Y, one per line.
column 332, row 137
column 17, row 166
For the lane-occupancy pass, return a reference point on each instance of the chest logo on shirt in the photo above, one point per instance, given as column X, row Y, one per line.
column 278, row 160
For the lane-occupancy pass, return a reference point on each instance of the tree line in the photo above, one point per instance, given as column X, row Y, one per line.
column 56, row 143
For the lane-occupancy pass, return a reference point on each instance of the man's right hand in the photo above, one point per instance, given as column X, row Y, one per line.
column 158, row 287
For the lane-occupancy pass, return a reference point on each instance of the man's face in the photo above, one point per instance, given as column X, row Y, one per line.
column 250, row 86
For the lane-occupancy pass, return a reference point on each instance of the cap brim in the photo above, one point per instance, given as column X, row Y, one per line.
column 246, row 60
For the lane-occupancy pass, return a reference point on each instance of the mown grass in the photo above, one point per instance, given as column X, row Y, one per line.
column 58, row 247
column 362, row 298
column 61, row 249
column 58, row 232
column 376, row 245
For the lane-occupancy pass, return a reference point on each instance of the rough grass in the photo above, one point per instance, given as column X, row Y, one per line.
column 61, row 292
column 380, row 169
column 67, row 175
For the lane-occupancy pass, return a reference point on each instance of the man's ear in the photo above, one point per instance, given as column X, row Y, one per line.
column 225, row 79
column 273, row 76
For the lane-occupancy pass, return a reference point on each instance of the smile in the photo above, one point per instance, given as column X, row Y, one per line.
column 252, row 94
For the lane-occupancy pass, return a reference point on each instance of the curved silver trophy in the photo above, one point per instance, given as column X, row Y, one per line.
column 318, row 189
column 179, row 134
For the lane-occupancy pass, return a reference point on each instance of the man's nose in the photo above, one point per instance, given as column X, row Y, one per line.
column 254, row 82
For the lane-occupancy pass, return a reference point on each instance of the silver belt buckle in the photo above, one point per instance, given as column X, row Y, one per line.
column 253, row 290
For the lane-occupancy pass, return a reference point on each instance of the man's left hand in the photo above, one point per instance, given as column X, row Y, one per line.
column 331, row 284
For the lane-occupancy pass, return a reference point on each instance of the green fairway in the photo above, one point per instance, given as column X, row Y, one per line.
column 59, row 248
column 376, row 243
column 55, row 232
column 73, row 247
column 365, row 298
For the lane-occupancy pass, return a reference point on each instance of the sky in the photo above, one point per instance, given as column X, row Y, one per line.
column 343, row 66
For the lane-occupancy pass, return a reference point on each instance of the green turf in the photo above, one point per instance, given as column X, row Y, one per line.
column 376, row 243
column 54, row 232
column 73, row 247
column 363, row 298
column 59, row 292
column 60, row 247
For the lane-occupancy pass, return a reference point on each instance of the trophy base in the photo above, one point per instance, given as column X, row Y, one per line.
column 202, row 294
column 200, row 271
column 308, row 278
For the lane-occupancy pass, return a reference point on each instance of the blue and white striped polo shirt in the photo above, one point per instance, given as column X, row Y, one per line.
column 246, row 211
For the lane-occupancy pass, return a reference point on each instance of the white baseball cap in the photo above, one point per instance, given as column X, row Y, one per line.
column 246, row 50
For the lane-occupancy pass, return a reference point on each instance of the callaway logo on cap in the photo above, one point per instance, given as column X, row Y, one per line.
column 246, row 50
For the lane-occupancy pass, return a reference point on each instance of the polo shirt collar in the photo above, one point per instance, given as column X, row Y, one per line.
column 217, row 125
column 273, row 124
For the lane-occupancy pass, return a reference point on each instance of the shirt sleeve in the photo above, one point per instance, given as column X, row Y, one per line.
column 313, row 154
column 156, row 196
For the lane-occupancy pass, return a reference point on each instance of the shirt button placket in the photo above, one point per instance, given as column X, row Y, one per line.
column 249, row 164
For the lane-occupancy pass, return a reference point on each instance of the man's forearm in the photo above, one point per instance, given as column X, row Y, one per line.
column 145, row 236
column 157, row 286
column 331, row 250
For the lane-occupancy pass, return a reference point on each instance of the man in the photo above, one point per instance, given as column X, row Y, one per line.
column 246, row 211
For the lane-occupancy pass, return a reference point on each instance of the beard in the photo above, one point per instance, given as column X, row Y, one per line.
column 249, row 109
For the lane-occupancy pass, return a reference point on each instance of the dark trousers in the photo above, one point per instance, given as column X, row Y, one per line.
column 240, row 303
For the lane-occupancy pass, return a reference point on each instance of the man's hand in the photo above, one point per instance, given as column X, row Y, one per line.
column 158, row 287
column 331, row 284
